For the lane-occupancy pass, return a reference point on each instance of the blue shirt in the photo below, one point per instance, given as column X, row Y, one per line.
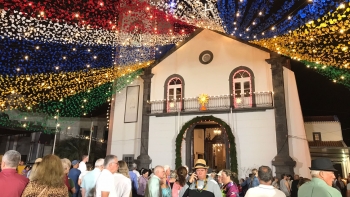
column 74, row 175
column 89, row 182
column 255, row 183
column 134, row 181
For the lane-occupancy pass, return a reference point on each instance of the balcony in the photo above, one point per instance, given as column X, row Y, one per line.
column 222, row 103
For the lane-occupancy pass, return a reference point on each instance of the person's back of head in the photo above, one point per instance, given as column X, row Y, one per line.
column 85, row 158
column 49, row 172
column 66, row 163
column 181, row 175
column 302, row 181
column 265, row 175
column 10, row 160
column 99, row 163
column 109, row 159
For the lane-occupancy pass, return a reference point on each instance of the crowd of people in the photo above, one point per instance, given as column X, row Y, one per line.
column 51, row 176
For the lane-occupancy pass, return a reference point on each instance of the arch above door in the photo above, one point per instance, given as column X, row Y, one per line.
column 190, row 125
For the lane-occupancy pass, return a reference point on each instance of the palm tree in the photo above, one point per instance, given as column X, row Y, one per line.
column 75, row 148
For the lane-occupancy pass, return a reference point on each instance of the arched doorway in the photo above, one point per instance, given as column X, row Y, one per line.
column 212, row 143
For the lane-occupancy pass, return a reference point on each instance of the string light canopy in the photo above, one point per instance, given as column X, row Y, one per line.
column 323, row 41
column 55, row 52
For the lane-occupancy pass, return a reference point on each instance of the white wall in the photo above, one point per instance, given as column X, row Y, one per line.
column 126, row 136
column 212, row 78
column 298, row 145
column 330, row 130
column 254, row 133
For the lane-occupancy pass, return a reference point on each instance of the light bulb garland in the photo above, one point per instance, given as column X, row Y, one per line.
column 19, row 92
column 324, row 41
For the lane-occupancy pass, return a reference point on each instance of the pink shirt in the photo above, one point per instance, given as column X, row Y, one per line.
column 176, row 190
column 11, row 183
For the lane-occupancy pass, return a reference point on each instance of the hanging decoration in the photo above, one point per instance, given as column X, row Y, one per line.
column 26, row 91
column 324, row 41
column 202, row 14
column 336, row 75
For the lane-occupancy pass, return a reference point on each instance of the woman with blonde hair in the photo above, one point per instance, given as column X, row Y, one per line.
column 47, row 179
column 67, row 181
column 32, row 171
column 122, row 180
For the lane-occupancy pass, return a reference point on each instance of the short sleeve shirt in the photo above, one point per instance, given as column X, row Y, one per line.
column 105, row 182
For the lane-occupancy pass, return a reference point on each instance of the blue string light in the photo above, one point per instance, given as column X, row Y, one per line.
column 227, row 11
column 311, row 12
column 19, row 57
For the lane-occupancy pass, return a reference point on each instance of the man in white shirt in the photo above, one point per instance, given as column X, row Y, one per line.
column 82, row 164
column 134, row 170
column 105, row 186
column 89, row 180
column 265, row 189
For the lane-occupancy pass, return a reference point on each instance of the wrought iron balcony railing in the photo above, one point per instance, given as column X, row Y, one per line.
column 223, row 102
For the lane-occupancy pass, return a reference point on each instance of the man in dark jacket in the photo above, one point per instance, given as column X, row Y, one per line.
column 294, row 188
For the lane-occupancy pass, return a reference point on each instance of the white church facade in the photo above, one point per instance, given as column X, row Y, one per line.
column 217, row 98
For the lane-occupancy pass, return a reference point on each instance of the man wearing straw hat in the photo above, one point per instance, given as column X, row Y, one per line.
column 200, row 184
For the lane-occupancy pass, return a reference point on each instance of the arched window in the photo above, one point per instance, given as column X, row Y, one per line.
column 174, row 93
column 242, row 87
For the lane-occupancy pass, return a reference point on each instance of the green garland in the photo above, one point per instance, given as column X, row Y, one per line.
column 333, row 73
column 231, row 138
column 70, row 106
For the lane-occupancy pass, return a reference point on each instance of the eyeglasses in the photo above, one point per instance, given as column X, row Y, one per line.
column 116, row 163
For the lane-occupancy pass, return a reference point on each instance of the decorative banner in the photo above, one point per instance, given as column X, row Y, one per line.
column 324, row 41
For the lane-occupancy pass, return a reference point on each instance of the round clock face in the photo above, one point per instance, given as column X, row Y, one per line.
column 206, row 57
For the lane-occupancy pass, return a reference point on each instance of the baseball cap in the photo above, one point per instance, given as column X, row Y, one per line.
column 75, row 162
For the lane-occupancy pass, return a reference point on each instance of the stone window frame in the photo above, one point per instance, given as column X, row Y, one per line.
column 166, row 87
column 252, row 84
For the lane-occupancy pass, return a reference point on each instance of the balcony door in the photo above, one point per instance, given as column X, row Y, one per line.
column 174, row 99
column 242, row 93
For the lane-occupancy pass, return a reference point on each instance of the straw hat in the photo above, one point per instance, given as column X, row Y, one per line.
column 200, row 163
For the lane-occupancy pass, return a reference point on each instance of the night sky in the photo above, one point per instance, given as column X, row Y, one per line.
column 320, row 96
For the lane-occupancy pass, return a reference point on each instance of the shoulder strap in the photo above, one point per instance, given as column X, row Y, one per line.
column 42, row 192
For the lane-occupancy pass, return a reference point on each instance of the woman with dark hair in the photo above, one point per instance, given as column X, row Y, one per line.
column 47, row 179
column 122, row 180
column 302, row 181
column 230, row 188
column 143, row 180
column 180, row 182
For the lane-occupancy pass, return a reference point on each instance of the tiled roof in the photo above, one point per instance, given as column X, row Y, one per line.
column 320, row 118
column 326, row 144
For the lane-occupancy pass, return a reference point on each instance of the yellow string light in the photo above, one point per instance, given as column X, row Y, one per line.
column 20, row 92
column 324, row 41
